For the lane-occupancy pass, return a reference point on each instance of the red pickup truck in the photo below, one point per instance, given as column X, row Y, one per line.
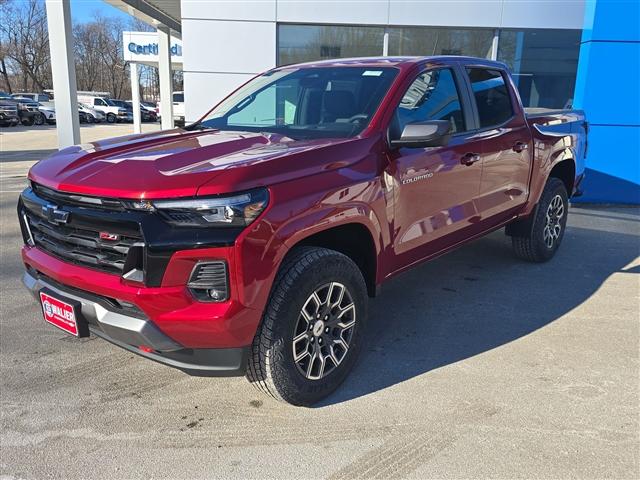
column 250, row 241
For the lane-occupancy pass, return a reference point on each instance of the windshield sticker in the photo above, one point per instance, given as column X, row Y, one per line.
column 372, row 73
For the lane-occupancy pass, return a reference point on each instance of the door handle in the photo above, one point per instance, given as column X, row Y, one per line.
column 520, row 147
column 470, row 159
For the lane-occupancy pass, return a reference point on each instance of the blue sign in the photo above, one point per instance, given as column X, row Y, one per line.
column 152, row 49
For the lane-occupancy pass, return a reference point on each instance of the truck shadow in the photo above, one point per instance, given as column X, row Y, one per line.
column 479, row 298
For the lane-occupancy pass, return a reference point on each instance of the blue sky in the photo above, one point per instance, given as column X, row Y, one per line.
column 83, row 10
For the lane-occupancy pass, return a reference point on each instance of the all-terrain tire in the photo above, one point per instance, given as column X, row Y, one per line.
column 535, row 245
column 271, row 366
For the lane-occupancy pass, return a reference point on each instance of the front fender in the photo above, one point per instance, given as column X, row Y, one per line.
column 262, row 250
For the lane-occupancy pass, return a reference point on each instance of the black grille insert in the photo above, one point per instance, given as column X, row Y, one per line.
column 81, row 245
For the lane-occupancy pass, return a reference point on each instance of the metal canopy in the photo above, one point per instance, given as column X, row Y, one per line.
column 154, row 12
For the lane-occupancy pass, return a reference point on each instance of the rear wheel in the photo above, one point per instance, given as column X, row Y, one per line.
column 547, row 227
column 312, row 328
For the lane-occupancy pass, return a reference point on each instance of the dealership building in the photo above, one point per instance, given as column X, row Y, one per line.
column 562, row 53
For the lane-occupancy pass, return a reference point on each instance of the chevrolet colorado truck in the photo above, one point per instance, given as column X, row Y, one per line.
column 249, row 242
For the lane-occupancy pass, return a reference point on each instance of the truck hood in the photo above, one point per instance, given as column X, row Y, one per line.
column 180, row 163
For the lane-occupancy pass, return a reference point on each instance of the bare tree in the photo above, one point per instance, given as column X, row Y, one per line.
column 25, row 62
column 25, row 44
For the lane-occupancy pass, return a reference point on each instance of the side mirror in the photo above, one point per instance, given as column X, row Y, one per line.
column 432, row 133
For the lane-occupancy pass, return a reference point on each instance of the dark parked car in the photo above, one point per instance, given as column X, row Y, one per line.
column 8, row 114
column 28, row 109
column 145, row 114
column 250, row 241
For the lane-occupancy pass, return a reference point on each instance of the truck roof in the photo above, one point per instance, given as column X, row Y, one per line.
column 396, row 61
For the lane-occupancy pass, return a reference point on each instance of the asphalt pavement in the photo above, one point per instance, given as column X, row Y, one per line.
column 477, row 365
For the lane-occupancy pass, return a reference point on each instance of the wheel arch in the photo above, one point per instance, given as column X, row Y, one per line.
column 352, row 239
column 565, row 170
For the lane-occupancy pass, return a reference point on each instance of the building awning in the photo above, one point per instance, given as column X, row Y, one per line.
column 153, row 12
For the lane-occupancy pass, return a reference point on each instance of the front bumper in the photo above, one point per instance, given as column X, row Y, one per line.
column 9, row 118
column 126, row 326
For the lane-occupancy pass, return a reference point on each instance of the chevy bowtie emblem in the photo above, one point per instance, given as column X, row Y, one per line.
column 111, row 237
column 54, row 214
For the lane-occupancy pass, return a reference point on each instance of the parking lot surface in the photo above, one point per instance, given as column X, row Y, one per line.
column 477, row 366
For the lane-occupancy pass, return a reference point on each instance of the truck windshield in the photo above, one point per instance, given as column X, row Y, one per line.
column 301, row 103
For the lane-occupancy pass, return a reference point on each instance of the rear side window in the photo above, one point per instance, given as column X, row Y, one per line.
column 432, row 96
column 492, row 96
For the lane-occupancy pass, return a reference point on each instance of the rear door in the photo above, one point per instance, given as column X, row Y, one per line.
column 506, row 143
column 435, row 187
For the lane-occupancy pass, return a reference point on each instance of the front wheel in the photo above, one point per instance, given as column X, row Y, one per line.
column 312, row 328
column 546, row 229
column 39, row 119
column 111, row 118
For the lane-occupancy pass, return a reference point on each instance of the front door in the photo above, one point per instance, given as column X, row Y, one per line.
column 435, row 188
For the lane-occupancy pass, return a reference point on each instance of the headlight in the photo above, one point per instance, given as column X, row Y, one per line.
column 234, row 211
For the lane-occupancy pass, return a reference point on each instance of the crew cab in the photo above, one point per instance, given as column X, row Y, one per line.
column 250, row 241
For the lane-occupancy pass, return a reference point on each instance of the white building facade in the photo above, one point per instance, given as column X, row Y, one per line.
column 225, row 43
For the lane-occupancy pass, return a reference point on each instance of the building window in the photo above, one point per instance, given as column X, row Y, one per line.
column 543, row 64
column 307, row 43
column 425, row 41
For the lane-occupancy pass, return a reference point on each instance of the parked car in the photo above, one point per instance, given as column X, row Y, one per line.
column 250, row 242
column 46, row 114
column 147, row 114
column 113, row 113
column 28, row 110
column 178, row 108
column 8, row 114
column 149, row 105
column 91, row 114
column 36, row 97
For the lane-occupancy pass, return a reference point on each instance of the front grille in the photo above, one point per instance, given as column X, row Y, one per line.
column 81, row 245
column 65, row 198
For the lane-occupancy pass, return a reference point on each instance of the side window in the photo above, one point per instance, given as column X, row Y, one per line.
column 432, row 96
column 492, row 96
column 98, row 101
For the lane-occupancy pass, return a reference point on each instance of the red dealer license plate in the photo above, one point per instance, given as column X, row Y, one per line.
column 59, row 313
